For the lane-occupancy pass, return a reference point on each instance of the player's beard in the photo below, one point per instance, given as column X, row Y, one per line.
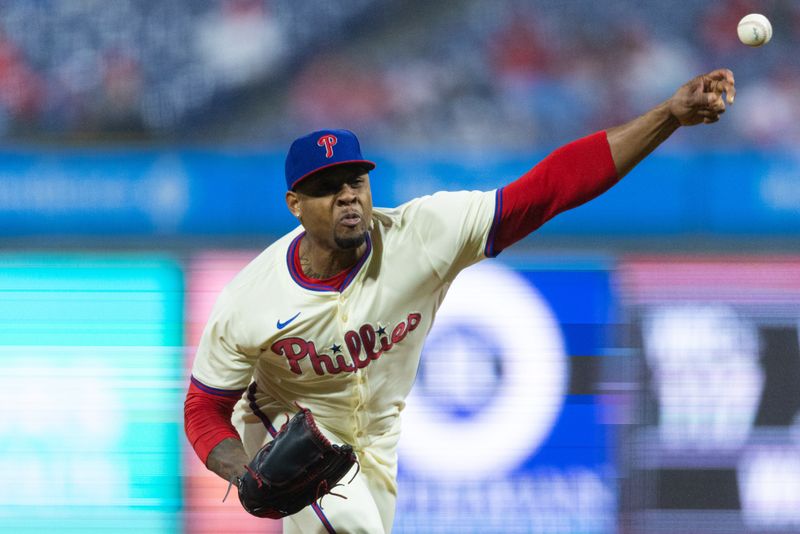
column 348, row 243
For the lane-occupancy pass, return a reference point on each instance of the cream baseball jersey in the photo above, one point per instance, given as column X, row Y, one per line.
column 350, row 356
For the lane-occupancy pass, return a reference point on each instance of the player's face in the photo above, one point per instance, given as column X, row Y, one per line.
column 335, row 206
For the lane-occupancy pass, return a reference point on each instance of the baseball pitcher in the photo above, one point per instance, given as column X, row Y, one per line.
column 302, row 370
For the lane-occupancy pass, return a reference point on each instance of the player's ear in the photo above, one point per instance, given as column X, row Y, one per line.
column 293, row 203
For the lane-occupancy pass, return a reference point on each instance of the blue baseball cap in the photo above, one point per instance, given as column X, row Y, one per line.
column 320, row 150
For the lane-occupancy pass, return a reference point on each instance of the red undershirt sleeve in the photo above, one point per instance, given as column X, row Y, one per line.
column 207, row 417
column 567, row 178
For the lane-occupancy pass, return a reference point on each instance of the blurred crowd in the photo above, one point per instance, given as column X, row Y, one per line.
column 453, row 73
column 522, row 73
column 90, row 67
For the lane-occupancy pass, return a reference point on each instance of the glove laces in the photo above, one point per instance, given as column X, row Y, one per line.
column 322, row 487
column 230, row 483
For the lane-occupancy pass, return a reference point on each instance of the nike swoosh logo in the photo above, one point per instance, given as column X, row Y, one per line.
column 281, row 325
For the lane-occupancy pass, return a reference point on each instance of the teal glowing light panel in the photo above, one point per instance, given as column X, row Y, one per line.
column 91, row 383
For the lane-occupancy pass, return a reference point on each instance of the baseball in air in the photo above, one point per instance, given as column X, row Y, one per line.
column 754, row 30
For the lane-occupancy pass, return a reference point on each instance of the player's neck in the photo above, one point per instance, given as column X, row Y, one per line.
column 320, row 262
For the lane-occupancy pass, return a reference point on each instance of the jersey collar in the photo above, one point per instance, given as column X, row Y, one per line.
column 303, row 281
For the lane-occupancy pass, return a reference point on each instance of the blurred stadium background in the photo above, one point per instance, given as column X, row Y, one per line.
column 141, row 166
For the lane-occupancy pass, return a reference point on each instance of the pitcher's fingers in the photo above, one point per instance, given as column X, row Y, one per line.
column 708, row 100
column 717, row 105
column 721, row 80
column 721, row 74
column 708, row 114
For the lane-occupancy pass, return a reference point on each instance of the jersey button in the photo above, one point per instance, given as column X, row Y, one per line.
column 360, row 434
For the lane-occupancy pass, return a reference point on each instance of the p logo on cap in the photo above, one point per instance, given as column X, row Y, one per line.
column 327, row 141
column 315, row 151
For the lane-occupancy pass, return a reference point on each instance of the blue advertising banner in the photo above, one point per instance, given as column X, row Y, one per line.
column 196, row 192
column 504, row 430
column 140, row 193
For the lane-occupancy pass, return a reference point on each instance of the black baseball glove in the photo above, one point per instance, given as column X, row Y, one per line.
column 296, row 468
